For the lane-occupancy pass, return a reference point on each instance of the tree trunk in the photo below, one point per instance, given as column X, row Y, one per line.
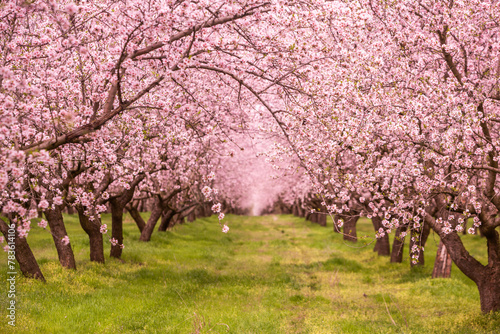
column 207, row 209
column 382, row 245
column 350, row 228
column 322, row 219
column 307, row 215
column 191, row 217
column 397, row 245
column 166, row 220
column 176, row 219
column 137, row 217
column 487, row 278
column 92, row 228
column 422, row 238
column 442, row 265
column 153, row 219
column 116, row 228
column 70, row 209
column 489, row 290
column 58, row 231
column 23, row 254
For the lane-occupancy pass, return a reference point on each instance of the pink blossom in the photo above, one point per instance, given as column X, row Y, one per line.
column 113, row 241
column 65, row 240
column 42, row 223
column 206, row 191
column 22, row 232
column 216, row 207
column 8, row 103
column 225, row 229
column 58, row 200
column 103, row 229
column 43, row 204
column 221, row 216
column 6, row 248
column 71, row 9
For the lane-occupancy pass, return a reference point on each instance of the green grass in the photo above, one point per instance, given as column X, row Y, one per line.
column 272, row 274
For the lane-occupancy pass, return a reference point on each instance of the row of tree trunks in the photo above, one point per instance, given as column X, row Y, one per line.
column 297, row 209
column 318, row 218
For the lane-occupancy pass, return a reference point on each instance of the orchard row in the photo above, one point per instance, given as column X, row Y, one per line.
column 388, row 110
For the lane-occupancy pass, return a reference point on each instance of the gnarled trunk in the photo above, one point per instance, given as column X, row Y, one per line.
column 382, row 246
column 92, row 228
column 137, row 217
column 166, row 220
column 153, row 219
column 487, row 278
column 23, row 254
column 58, row 231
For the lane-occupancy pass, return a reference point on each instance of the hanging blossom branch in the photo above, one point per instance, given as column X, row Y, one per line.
column 211, row 196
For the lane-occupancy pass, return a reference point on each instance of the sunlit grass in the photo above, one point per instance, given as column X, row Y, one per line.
column 272, row 274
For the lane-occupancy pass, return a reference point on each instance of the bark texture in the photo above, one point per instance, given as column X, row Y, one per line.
column 442, row 265
column 92, row 228
column 153, row 219
column 58, row 231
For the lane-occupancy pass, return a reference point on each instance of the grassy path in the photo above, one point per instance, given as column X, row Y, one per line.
column 272, row 274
